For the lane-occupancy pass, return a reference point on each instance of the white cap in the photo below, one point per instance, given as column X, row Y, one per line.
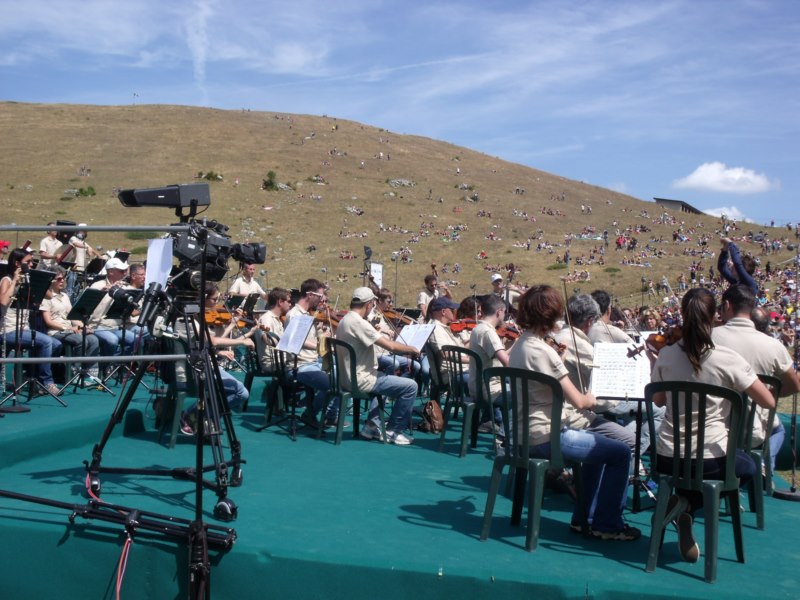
column 497, row 277
column 115, row 263
column 363, row 295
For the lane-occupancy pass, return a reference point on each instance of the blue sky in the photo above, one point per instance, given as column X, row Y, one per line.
column 694, row 100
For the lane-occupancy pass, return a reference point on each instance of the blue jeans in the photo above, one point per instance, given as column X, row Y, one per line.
column 404, row 392
column 389, row 363
column 111, row 340
column 606, row 464
column 776, row 442
column 44, row 346
column 626, row 411
column 235, row 391
column 313, row 376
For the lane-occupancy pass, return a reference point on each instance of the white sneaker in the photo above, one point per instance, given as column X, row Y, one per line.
column 398, row 438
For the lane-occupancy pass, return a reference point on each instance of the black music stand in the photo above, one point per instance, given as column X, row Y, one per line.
column 121, row 310
column 28, row 298
column 82, row 311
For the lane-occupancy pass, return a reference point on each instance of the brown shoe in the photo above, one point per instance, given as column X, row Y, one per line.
column 690, row 551
column 52, row 388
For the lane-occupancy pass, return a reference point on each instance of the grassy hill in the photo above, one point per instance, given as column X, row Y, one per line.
column 330, row 167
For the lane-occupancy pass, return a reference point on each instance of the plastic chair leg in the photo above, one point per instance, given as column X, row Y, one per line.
column 518, row 501
column 535, row 493
column 343, row 399
column 494, row 486
column 658, row 525
column 736, row 519
column 469, row 417
column 711, row 502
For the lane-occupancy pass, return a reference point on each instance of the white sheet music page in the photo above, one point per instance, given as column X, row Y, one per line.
column 615, row 375
column 296, row 333
column 416, row 334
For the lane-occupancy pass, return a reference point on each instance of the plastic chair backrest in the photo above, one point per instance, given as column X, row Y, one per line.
column 345, row 363
column 453, row 357
column 516, row 398
column 691, row 398
column 774, row 385
column 435, row 359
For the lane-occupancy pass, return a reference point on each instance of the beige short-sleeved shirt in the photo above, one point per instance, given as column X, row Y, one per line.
column 443, row 336
column 306, row 356
column 58, row 306
column 271, row 320
column 240, row 287
column 532, row 352
column 605, row 332
column 484, row 342
column 361, row 335
column 765, row 354
column 720, row 366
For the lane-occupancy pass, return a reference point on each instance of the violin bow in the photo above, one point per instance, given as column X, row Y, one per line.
column 574, row 339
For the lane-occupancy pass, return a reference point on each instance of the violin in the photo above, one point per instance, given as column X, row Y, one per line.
column 463, row 325
column 222, row 316
column 508, row 331
column 559, row 348
column 397, row 317
column 656, row 341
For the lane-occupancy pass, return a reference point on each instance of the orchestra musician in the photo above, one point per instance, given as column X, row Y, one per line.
column 55, row 308
column 485, row 342
column 441, row 312
column 279, row 301
column 764, row 353
column 309, row 363
column 354, row 329
column 110, row 331
column 388, row 362
column 244, row 284
column 696, row 358
column 16, row 327
column 606, row 462
column 430, row 292
column 578, row 357
column 235, row 391
column 48, row 249
column 603, row 330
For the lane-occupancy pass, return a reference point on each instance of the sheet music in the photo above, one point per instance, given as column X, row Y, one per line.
column 416, row 334
column 617, row 376
column 296, row 333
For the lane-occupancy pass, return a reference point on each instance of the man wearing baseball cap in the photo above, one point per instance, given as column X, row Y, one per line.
column 110, row 331
column 354, row 329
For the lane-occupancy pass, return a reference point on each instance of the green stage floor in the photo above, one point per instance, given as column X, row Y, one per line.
column 361, row 520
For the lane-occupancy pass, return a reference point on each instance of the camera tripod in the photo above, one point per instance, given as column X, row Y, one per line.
column 213, row 412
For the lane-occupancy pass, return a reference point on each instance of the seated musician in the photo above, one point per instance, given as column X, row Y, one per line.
column 603, row 330
column 235, row 391
column 487, row 344
column 442, row 312
column 55, row 309
column 112, row 332
column 467, row 315
column 764, row 353
column 578, row 357
column 15, row 324
column 309, row 363
column 697, row 358
column 606, row 462
column 389, row 363
column 355, row 330
column 278, row 304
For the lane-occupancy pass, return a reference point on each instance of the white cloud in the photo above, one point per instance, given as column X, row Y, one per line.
column 731, row 212
column 718, row 177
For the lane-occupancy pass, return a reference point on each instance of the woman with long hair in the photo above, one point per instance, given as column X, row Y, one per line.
column 696, row 358
column 606, row 462
column 16, row 324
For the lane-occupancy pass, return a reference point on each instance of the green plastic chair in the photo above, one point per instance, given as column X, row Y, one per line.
column 452, row 356
column 760, row 484
column 346, row 363
column 516, row 403
column 691, row 398
column 255, row 369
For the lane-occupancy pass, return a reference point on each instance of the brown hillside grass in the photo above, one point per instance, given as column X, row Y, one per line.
column 152, row 146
